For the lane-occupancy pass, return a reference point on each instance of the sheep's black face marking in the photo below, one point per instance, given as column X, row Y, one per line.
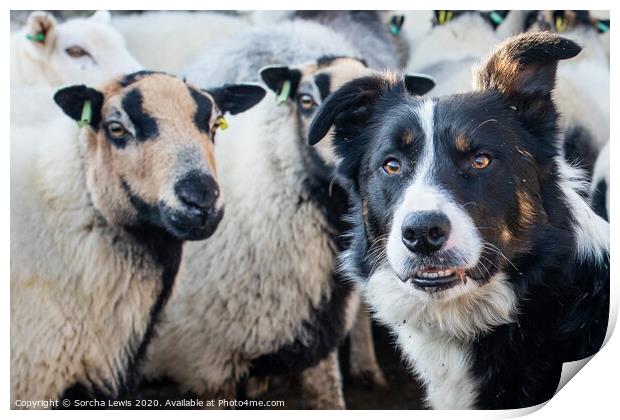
column 145, row 125
column 204, row 108
column 323, row 83
column 134, row 77
column 327, row 60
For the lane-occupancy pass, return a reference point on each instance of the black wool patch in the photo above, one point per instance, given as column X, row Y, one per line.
column 204, row 106
column 134, row 77
column 146, row 125
column 323, row 82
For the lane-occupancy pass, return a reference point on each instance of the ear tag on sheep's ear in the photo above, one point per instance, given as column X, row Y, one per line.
column 38, row 37
column 560, row 24
column 284, row 93
column 496, row 18
column 396, row 24
column 444, row 16
column 222, row 124
column 602, row 26
column 87, row 114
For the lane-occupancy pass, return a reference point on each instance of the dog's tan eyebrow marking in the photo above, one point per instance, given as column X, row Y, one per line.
column 462, row 143
column 407, row 137
column 506, row 234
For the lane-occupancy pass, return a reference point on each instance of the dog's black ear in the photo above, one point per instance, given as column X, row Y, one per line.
column 523, row 68
column 419, row 84
column 348, row 107
column 237, row 98
column 276, row 76
column 72, row 101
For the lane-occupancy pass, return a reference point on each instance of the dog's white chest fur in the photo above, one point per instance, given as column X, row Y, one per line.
column 444, row 365
column 435, row 334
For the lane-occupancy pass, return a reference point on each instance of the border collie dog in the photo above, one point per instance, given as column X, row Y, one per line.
column 471, row 239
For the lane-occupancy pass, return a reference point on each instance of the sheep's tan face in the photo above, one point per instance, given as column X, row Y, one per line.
column 152, row 159
column 149, row 154
column 310, row 84
column 320, row 79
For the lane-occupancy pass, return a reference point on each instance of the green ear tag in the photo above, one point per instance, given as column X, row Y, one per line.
column 38, row 37
column 284, row 93
column 496, row 18
column 87, row 114
column 394, row 29
column 602, row 27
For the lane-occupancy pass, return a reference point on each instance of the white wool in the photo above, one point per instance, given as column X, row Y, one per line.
column 48, row 63
column 78, row 305
column 247, row 290
column 168, row 40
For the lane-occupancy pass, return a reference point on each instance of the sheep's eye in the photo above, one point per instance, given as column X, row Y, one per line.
column 391, row 166
column 116, row 130
column 481, row 161
column 76, row 52
column 306, row 101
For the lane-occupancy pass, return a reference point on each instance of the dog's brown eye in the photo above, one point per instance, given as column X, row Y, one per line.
column 306, row 101
column 481, row 161
column 391, row 166
column 116, row 130
column 76, row 52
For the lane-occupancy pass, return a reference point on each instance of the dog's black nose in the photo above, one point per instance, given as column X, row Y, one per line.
column 425, row 232
column 197, row 189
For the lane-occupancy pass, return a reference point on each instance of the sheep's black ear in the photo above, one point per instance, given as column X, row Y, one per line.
column 348, row 107
column 73, row 98
column 419, row 84
column 237, row 98
column 275, row 77
column 523, row 70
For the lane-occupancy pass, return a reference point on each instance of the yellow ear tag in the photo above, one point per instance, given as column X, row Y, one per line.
column 560, row 24
column 222, row 124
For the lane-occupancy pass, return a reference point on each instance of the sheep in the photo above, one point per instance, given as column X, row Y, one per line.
column 368, row 31
column 82, row 50
column 269, row 304
column 451, row 50
column 582, row 91
column 99, row 215
column 148, row 35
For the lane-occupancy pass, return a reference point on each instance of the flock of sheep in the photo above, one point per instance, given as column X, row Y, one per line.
column 98, row 305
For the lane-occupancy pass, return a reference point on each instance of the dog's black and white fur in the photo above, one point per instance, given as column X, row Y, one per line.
column 471, row 238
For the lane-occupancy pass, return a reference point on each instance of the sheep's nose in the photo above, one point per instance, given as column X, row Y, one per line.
column 425, row 232
column 197, row 190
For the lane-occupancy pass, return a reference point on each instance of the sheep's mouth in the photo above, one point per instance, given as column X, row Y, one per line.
column 434, row 279
column 193, row 225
